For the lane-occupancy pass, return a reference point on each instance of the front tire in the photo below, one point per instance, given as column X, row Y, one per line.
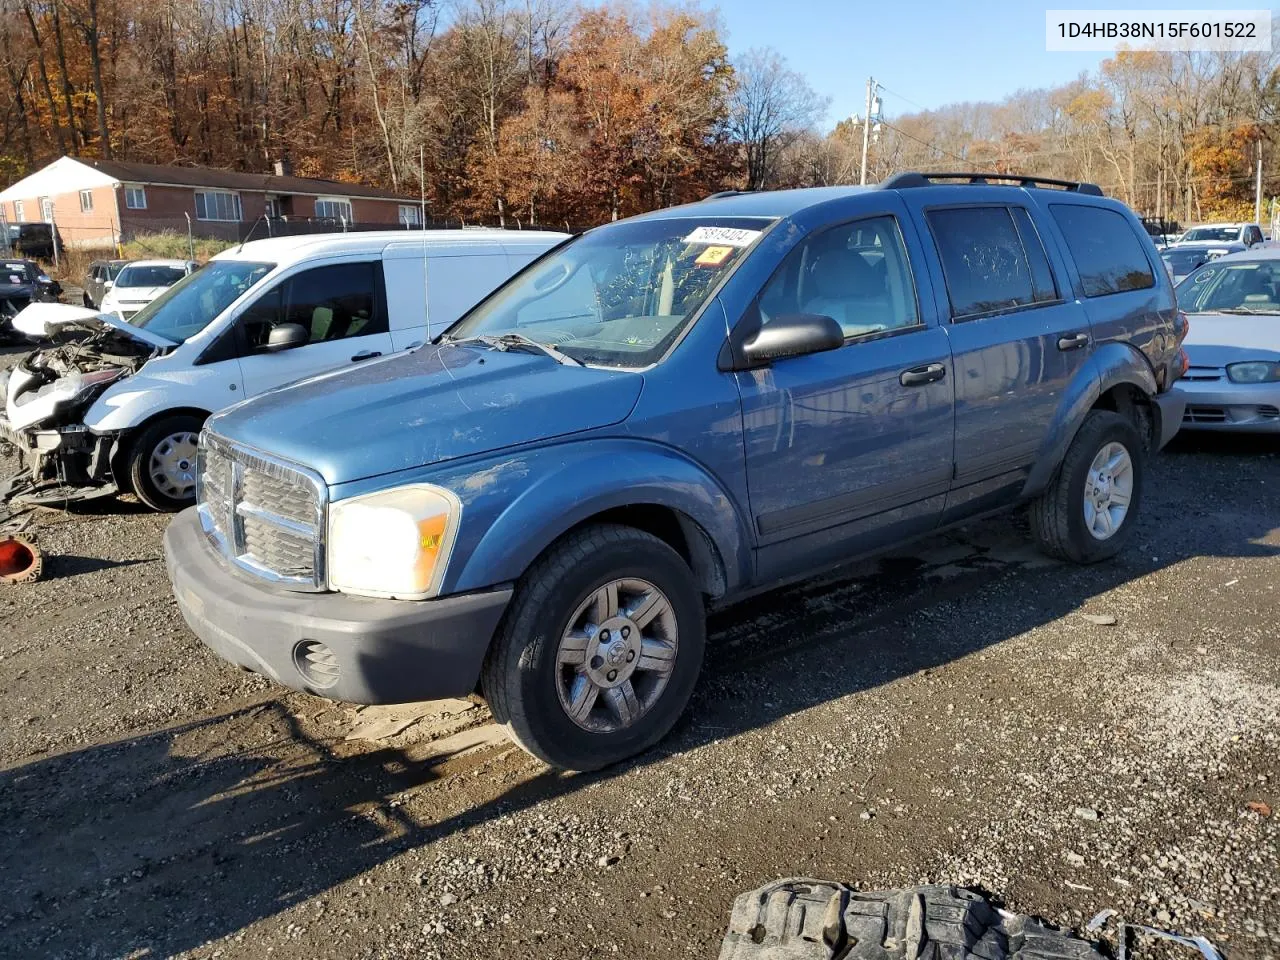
column 1090, row 509
column 598, row 655
column 162, row 463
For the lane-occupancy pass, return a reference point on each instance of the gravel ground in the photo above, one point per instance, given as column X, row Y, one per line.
column 949, row 713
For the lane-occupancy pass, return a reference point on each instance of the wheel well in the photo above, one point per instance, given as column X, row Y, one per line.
column 676, row 530
column 124, row 443
column 1130, row 401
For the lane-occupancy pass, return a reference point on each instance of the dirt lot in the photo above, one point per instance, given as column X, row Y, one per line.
column 949, row 713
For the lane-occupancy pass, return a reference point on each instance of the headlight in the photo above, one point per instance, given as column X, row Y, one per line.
column 77, row 384
column 393, row 544
column 1254, row 371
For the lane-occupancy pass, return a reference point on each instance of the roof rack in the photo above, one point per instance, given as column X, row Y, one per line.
column 902, row 181
column 727, row 193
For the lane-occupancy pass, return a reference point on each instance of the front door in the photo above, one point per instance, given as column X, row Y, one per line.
column 1018, row 338
column 849, row 449
column 341, row 306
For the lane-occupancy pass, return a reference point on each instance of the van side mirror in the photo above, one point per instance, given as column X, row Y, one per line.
column 792, row 335
column 108, row 285
column 286, row 336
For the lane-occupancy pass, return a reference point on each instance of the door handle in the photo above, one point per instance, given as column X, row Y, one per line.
column 919, row 376
column 367, row 355
column 1073, row 341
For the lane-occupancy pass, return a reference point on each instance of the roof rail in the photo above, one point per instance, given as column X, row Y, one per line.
column 903, row 181
column 727, row 193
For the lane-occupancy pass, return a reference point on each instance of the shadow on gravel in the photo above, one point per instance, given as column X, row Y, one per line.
column 162, row 842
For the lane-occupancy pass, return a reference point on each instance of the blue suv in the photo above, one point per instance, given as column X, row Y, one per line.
column 675, row 411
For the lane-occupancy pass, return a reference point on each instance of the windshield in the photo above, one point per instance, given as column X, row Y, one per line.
column 113, row 270
column 15, row 272
column 149, row 275
column 1210, row 235
column 193, row 302
column 1252, row 287
column 619, row 295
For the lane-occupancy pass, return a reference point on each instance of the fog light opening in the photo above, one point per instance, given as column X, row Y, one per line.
column 317, row 664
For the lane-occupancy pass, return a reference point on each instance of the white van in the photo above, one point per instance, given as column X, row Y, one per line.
column 115, row 405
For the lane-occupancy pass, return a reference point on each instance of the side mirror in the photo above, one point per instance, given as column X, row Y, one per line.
column 286, row 336
column 108, row 285
column 792, row 335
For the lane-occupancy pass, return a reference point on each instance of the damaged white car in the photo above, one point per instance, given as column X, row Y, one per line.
column 115, row 406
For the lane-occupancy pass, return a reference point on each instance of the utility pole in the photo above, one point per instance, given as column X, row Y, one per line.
column 866, row 128
column 1257, row 199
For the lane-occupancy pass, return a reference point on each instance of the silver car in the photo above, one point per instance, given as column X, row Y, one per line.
column 1233, row 382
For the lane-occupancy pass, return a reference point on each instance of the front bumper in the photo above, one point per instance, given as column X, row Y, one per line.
column 357, row 649
column 1231, row 407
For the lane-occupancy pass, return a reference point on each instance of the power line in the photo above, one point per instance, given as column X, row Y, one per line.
column 893, row 93
column 923, row 143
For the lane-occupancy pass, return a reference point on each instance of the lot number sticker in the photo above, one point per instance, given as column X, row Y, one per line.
column 714, row 256
column 723, row 236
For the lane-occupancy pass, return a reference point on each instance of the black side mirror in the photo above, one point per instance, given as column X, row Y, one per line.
column 791, row 335
column 286, row 336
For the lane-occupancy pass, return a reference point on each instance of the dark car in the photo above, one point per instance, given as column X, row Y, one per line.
column 101, row 273
column 23, row 282
column 673, row 412
column 36, row 240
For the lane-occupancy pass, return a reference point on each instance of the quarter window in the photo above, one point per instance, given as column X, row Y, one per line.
column 858, row 274
column 1105, row 248
column 333, row 208
column 992, row 260
column 217, row 205
column 135, row 198
column 86, row 201
column 332, row 303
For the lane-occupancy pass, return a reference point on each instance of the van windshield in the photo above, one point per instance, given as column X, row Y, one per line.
column 193, row 302
column 619, row 295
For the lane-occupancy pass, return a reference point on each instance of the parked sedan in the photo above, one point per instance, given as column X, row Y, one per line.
column 140, row 282
column 1233, row 382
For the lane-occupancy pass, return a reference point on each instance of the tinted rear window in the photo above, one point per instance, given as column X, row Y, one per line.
column 1106, row 249
column 987, row 265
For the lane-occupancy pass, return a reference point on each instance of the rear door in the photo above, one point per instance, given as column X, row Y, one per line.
column 1017, row 337
column 341, row 305
column 1114, row 270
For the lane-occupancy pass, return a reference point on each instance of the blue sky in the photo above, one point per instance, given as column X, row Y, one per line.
column 933, row 52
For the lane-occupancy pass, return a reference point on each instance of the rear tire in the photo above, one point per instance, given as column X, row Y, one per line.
column 1091, row 506
column 599, row 652
column 162, row 463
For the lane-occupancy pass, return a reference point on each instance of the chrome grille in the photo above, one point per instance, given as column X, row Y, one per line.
column 265, row 515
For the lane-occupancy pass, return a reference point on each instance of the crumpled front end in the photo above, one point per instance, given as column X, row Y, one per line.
column 45, row 399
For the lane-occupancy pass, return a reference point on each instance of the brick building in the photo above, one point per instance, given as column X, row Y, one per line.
column 98, row 203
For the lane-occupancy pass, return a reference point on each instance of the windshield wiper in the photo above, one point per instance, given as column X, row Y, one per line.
column 1245, row 310
column 518, row 341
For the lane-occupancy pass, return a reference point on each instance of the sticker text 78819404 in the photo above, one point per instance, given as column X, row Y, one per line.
column 723, row 236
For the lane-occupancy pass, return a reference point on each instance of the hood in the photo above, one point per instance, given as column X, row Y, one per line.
column 435, row 404
column 44, row 320
column 1206, row 246
column 1217, row 339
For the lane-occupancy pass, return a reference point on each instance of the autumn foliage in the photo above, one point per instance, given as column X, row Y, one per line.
column 540, row 111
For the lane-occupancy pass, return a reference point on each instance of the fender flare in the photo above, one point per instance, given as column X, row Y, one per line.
column 1111, row 364
column 577, row 481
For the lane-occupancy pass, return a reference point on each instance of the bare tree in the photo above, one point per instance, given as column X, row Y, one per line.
column 771, row 107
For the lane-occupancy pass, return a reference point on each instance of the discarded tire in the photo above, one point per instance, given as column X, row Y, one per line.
column 816, row 920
